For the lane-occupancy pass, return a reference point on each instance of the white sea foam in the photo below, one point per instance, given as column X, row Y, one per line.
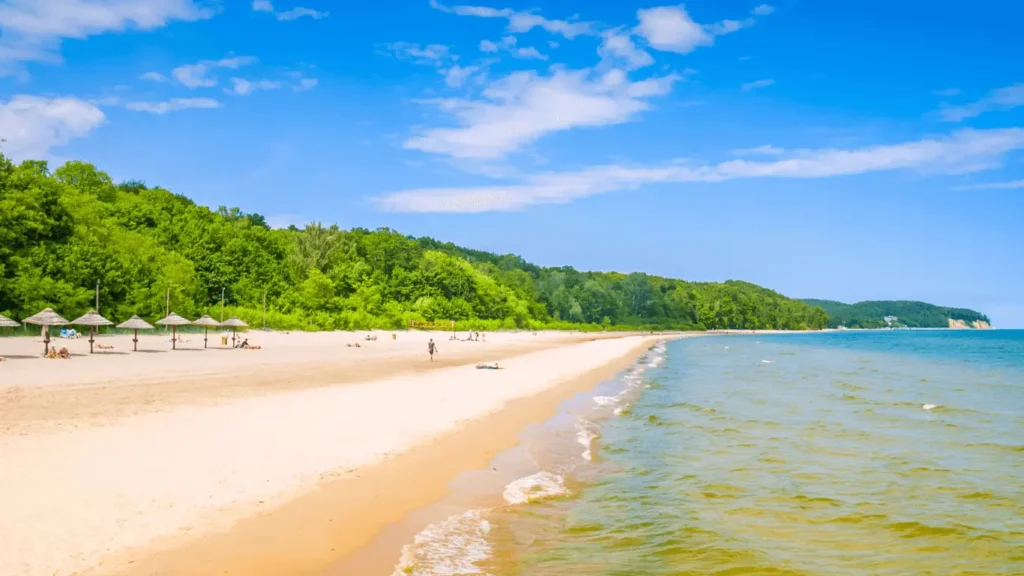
column 929, row 406
column 767, row 361
column 619, row 410
column 535, row 487
column 450, row 547
column 605, row 400
column 585, row 436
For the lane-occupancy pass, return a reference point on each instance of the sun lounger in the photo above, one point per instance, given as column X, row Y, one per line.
column 491, row 366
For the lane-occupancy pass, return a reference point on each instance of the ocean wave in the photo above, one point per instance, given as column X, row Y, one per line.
column 585, row 435
column 450, row 547
column 606, row 400
column 535, row 487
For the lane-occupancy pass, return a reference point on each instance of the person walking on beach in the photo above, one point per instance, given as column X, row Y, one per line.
column 431, row 348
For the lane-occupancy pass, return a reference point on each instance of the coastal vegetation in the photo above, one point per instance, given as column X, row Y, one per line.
column 64, row 231
column 912, row 314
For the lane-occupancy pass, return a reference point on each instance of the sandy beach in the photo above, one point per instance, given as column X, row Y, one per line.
column 269, row 461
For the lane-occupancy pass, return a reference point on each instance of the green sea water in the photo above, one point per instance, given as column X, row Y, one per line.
column 878, row 453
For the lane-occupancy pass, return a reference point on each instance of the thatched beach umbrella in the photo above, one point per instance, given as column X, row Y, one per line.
column 6, row 322
column 46, row 318
column 234, row 323
column 135, row 323
column 173, row 320
column 92, row 319
column 206, row 322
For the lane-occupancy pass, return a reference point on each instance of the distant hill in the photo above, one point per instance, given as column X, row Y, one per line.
column 871, row 314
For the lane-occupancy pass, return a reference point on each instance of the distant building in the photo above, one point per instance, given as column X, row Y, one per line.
column 890, row 320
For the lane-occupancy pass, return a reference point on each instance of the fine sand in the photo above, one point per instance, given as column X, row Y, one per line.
column 129, row 463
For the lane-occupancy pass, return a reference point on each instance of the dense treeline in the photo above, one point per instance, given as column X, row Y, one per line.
column 63, row 231
column 871, row 314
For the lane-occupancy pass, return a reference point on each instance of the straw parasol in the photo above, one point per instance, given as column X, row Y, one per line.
column 173, row 320
column 92, row 319
column 46, row 318
column 6, row 322
column 234, row 323
column 135, row 323
column 206, row 322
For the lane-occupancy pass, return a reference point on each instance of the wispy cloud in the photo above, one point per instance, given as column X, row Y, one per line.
column 1011, row 185
column 618, row 47
column 457, row 75
column 243, row 87
column 305, row 84
column 173, row 104
column 523, row 107
column 32, row 125
column 947, row 92
column 262, row 6
column 766, row 150
column 520, row 21
column 429, row 54
column 32, row 30
column 509, row 44
column 154, row 77
column 757, row 84
column 1001, row 99
column 960, row 152
column 299, row 12
column 198, row 75
column 671, row 29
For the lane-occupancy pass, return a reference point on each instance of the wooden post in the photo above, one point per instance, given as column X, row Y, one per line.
column 90, row 339
column 174, row 337
column 46, row 340
column 135, row 340
column 205, row 335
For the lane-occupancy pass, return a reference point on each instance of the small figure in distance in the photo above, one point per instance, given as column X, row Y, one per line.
column 431, row 348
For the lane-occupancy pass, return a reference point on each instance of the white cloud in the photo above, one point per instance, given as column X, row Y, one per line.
column 1001, row 99
column 305, row 84
column 32, row 30
column 947, row 92
column 31, row 125
column 299, row 12
column 1011, row 185
column 262, row 6
column 671, row 29
column 757, row 84
column 431, row 54
column 457, row 75
column 617, row 47
column 243, row 87
column 154, row 77
column 520, row 22
column 960, row 152
column 173, row 104
column 523, row 107
column 508, row 44
column 529, row 53
column 766, row 150
column 198, row 75
column 762, row 10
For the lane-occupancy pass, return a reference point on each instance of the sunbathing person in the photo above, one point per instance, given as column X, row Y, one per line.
column 488, row 366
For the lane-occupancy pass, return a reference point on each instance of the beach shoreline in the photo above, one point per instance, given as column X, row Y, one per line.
column 201, row 487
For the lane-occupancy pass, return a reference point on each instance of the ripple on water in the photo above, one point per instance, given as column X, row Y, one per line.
column 822, row 464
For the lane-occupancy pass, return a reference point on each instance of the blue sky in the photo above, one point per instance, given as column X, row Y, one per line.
column 823, row 151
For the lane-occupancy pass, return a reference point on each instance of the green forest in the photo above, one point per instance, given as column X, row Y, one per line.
column 63, row 231
column 871, row 314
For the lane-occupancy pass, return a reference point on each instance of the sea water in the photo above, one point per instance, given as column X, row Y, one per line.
column 831, row 454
